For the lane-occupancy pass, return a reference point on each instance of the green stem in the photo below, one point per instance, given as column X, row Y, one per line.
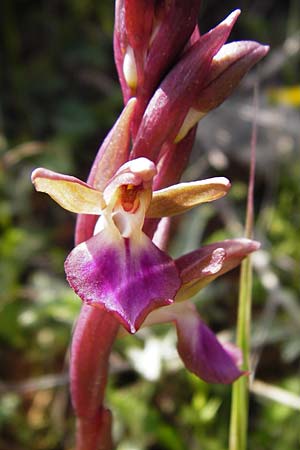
column 239, row 407
column 240, row 390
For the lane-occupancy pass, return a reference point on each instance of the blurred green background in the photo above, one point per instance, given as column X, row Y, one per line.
column 59, row 97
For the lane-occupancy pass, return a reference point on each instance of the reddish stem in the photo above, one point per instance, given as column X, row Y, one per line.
column 92, row 341
column 95, row 434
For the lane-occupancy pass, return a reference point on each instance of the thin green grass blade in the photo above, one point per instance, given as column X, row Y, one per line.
column 240, row 390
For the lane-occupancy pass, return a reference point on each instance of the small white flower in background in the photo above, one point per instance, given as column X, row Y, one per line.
column 157, row 354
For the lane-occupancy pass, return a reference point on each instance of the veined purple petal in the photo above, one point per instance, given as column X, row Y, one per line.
column 234, row 351
column 198, row 347
column 129, row 277
column 201, row 351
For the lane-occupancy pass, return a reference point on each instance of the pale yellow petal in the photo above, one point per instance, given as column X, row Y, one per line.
column 184, row 196
column 69, row 192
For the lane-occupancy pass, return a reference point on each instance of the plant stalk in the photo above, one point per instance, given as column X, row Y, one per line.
column 92, row 341
column 240, row 390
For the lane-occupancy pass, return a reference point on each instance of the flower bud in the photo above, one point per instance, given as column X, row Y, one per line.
column 177, row 93
column 148, row 37
column 227, row 69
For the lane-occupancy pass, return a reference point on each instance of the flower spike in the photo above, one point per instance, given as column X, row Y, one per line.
column 171, row 77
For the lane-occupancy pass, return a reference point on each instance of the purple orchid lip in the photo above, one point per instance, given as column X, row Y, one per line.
column 125, row 277
column 200, row 350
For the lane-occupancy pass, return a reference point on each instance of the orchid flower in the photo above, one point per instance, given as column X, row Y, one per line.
column 120, row 269
column 121, row 272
